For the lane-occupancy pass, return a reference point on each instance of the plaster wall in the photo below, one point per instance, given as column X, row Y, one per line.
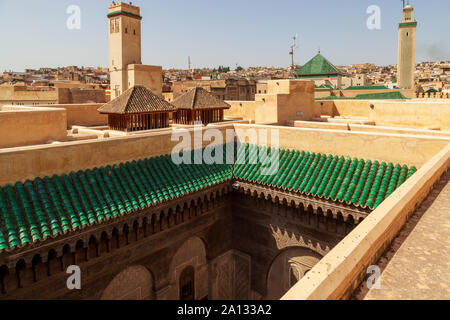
column 403, row 149
column 148, row 76
column 18, row 94
column 367, row 128
column 285, row 100
column 412, row 114
column 82, row 114
column 28, row 126
column 20, row 164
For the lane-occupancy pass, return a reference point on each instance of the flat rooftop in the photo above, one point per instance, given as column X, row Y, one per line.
column 417, row 265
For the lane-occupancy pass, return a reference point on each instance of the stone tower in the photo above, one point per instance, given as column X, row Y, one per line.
column 125, row 65
column 406, row 49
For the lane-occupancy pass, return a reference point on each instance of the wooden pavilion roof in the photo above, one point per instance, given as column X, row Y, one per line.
column 199, row 98
column 137, row 99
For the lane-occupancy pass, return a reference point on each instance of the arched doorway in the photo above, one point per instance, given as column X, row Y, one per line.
column 187, row 284
column 134, row 283
column 288, row 267
column 188, row 269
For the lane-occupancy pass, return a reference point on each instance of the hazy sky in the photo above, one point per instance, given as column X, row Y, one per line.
column 220, row 32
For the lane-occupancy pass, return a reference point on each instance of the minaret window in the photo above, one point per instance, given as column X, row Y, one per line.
column 117, row 26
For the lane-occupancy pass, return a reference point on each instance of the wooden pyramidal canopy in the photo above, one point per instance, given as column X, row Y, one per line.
column 137, row 109
column 198, row 105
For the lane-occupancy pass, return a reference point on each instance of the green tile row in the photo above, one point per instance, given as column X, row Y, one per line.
column 51, row 206
column 352, row 181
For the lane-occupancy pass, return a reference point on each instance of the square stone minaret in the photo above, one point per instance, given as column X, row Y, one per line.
column 407, row 49
column 125, row 66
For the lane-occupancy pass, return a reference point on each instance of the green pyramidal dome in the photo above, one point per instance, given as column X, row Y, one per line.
column 318, row 65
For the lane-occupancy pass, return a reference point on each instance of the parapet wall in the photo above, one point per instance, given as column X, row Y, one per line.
column 419, row 114
column 21, row 126
column 20, row 164
column 405, row 149
column 82, row 114
column 367, row 128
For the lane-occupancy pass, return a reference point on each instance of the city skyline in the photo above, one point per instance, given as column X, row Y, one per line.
column 249, row 42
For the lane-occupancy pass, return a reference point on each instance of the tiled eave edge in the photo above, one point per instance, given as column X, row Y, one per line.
column 10, row 257
column 341, row 271
column 408, row 24
column 118, row 13
column 335, row 207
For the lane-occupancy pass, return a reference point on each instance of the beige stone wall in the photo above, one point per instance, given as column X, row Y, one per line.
column 242, row 110
column 368, row 128
column 27, row 96
column 413, row 114
column 77, row 95
column 148, row 76
column 285, row 100
column 31, row 162
column 403, row 149
column 410, row 94
column 29, row 126
column 20, row 164
column 82, row 114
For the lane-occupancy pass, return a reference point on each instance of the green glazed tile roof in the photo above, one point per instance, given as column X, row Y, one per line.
column 51, row 206
column 382, row 95
column 395, row 95
column 354, row 181
column 408, row 24
column 116, row 13
column 367, row 88
column 324, row 86
column 317, row 65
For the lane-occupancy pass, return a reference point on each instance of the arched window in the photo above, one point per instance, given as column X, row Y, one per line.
column 187, row 284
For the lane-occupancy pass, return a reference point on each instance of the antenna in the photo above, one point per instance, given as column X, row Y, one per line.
column 293, row 46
